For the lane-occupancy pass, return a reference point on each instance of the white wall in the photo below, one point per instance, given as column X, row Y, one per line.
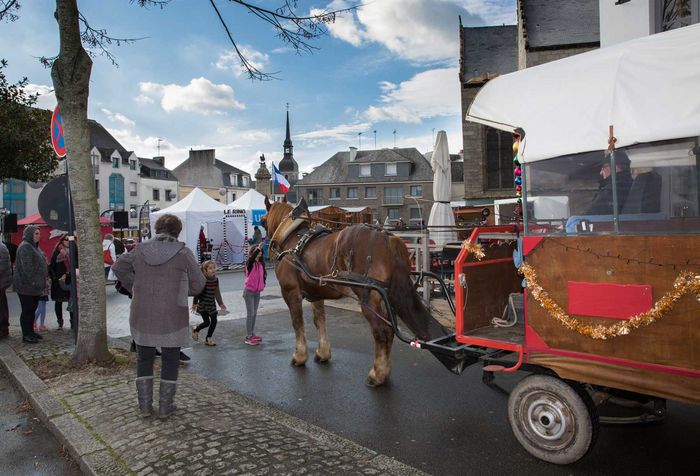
column 146, row 191
column 626, row 21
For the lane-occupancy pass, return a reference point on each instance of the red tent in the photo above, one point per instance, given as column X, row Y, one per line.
column 49, row 236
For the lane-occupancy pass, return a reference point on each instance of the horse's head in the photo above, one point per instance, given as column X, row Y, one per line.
column 276, row 213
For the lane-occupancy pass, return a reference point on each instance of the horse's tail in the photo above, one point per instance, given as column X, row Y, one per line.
column 405, row 300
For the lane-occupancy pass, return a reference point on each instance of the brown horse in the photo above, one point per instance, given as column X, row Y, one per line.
column 359, row 249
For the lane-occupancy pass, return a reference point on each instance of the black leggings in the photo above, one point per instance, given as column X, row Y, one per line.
column 26, row 318
column 58, row 308
column 170, row 362
column 210, row 320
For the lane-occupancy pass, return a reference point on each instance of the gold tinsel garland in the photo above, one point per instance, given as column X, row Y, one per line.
column 687, row 282
column 474, row 248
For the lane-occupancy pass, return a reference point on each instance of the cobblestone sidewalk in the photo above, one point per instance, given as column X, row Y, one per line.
column 215, row 430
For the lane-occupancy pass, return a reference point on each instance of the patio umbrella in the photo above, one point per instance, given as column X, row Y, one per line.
column 441, row 213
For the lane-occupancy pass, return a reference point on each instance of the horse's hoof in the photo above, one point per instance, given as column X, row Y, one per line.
column 321, row 360
column 298, row 364
column 370, row 382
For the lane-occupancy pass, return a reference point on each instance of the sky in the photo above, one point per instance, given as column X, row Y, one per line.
column 390, row 65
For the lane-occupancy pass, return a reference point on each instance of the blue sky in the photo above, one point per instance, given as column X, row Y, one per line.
column 390, row 65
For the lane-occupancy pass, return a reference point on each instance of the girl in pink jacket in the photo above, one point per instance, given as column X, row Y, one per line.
column 255, row 278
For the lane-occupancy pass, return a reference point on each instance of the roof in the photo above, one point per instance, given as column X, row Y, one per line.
column 104, row 141
column 335, row 169
column 549, row 24
column 602, row 87
column 489, row 49
column 153, row 165
column 201, row 172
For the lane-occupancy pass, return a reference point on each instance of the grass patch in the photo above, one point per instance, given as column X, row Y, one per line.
column 60, row 364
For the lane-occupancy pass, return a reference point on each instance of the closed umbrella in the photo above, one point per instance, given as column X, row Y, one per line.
column 441, row 212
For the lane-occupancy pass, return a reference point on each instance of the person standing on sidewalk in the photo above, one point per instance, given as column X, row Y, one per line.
column 109, row 253
column 205, row 303
column 159, row 274
column 40, row 313
column 29, row 281
column 58, row 268
column 255, row 279
column 5, row 282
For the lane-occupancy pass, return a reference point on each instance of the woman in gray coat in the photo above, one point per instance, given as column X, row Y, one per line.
column 160, row 274
column 29, row 280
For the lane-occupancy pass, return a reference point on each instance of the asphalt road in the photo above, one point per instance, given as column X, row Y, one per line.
column 26, row 446
column 426, row 417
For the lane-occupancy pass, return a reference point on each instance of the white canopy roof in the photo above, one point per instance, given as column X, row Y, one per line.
column 648, row 89
column 251, row 200
column 197, row 201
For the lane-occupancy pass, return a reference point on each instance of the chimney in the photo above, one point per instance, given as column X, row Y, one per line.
column 353, row 153
column 160, row 159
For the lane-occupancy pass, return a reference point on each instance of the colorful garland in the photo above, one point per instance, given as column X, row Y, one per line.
column 518, row 180
column 687, row 282
column 475, row 249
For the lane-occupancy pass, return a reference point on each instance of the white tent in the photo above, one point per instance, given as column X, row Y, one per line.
column 441, row 213
column 648, row 89
column 195, row 210
column 253, row 202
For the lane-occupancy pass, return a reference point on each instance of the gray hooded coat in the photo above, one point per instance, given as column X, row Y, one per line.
column 160, row 274
column 5, row 268
column 30, row 266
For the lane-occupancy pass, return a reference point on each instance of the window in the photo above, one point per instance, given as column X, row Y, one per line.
column 352, row 192
column 416, row 190
column 97, row 188
column 168, row 195
column 393, row 196
column 335, row 193
column 133, row 213
column 370, row 192
column 156, row 194
column 116, row 192
column 390, row 169
column 393, row 213
column 314, row 195
column 14, row 197
column 365, row 170
column 115, row 162
column 132, row 165
column 246, row 181
column 415, row 214
column 132, row 189
column 499, row 159
column 233, row 197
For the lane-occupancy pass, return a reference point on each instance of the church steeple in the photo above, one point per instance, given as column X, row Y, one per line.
column 288, row 166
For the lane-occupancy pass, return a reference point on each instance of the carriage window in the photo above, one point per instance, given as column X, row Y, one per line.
column 655, row 191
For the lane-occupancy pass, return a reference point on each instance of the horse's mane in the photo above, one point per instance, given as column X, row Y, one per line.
column 276, row 214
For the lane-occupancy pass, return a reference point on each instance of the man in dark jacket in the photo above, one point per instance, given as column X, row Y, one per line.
column 602, row 203
column 5, row 282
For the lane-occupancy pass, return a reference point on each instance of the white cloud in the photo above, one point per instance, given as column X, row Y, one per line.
column 245, row 136
column 341, row 132
column 428, row 94
column 46, row 99
column 118, row 118
column 424, row 31
column 229, row 60
column 200, row 96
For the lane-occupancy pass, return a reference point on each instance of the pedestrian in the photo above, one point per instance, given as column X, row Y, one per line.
column 40, row 314
column 58, row 269
column 159, row 274
column 5, row 282
column 257, row 236
column 29, row 281
column 205, row 303
column 255, row 279
column 109, row 253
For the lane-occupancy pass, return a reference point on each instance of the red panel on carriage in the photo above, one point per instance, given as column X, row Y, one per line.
column 616, row 301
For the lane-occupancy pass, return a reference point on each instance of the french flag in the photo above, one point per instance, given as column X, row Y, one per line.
column 280, row 180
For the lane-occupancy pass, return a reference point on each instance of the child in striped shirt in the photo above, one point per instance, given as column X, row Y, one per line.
column 206, row 301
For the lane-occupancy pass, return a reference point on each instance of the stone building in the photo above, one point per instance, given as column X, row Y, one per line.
column 546, row 31
column 381, row 179
column 219, row 180
column 263, row 178
column 158, row 184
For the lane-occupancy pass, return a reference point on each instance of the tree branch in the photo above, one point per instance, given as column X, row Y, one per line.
column 6, row 10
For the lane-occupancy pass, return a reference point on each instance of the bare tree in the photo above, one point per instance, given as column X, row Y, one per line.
column 70, row 72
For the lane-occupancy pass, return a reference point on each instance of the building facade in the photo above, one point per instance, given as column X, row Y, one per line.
column 394, row 183
column 159, row 187
column 221, row 181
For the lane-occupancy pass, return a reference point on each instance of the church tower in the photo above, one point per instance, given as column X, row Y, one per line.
column 263, row 183
column 288, row 166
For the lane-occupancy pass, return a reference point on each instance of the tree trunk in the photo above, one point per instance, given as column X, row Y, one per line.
column 71, row 80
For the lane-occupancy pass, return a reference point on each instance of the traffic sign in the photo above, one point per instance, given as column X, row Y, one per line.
column 58, row 141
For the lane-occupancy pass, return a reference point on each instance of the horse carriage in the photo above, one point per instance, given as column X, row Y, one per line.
column 595, row 307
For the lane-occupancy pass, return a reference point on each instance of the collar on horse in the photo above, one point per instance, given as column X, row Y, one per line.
column 298, row 216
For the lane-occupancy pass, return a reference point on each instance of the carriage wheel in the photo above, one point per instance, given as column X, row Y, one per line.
column 552, row 420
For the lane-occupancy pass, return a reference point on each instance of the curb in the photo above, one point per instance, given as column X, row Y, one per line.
column 92, row 457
